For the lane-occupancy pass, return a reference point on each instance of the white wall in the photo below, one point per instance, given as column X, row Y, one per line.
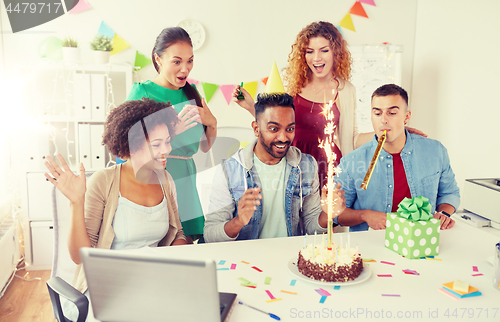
column 456, row 81
column 243, row 37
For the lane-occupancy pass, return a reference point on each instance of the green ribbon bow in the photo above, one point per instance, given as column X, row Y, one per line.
column 417, row 208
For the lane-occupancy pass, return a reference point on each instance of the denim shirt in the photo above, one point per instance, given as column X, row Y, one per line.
column 428, row 172
column 302, row 200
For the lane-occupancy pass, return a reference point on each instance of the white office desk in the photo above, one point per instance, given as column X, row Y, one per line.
column 461, row 248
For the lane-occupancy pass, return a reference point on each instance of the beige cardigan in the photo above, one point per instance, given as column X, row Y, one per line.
column 101, row 201
column 347, row 130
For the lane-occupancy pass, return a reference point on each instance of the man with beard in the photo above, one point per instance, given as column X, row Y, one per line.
column 268, row 189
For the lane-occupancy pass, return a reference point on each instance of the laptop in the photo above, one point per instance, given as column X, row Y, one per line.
column 135, row 286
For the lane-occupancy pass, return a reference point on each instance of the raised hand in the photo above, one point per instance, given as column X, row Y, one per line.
column 248, row 204
column 247, row 103
column 206, row 116
column 188, row 117
column 338, row 200
column 71, row 186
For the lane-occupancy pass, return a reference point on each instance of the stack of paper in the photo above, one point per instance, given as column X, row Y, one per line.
column 459, row 290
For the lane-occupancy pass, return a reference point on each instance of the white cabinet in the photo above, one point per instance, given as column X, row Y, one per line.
column 67, row 107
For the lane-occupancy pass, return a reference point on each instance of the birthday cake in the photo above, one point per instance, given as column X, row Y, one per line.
column 340, row 264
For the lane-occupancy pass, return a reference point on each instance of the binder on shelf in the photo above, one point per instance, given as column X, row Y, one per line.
column 81, row 96
column 98, row 98
column 97, row 150
column 84, row 145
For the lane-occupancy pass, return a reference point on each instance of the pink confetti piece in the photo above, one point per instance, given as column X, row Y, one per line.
column 325, row 292
column 388, row 263
column 320, row 292
column 477, row 274
column 474, row 269
column 233, row 266
column 270, row 295
column 257, row 269
column 393, row 295
column 388, row 275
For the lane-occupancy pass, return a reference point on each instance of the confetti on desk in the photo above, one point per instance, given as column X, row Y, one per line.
column 233, row 266
column 257, row 269
column 287, row 292
column 387, row 275
column 267, row 280
column 323, row 299
column 223, row 269
column 369, row 260
column 409, row 271
column 388, row 263
column 245, row 262
column 273, row 300
column 222, row 262
column 432, row 258
column 270, row 295
column 392, row 295
column 292, row 283
column 474, row 269
column 477, row 274
column 336, row 287
column 247, row 283
column 325, row 292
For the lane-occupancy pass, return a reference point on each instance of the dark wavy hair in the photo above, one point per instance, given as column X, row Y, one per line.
column 166, row 38
column 126, row 127
column 266, row 100
column 391, row 89
column 298, row 73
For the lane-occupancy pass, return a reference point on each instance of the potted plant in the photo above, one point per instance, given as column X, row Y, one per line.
column 70, row 50
column 102, row 47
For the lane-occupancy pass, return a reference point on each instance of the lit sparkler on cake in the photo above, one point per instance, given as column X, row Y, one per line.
column 326, row 145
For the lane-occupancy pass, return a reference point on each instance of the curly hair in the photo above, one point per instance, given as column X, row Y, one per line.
column 298, row 73
column 124, row 129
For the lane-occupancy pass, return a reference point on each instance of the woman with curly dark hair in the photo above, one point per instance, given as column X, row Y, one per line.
column 173, row 59
column 319, row 71
column 130, row 205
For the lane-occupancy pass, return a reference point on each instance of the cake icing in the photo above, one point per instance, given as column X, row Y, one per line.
column 340, row 264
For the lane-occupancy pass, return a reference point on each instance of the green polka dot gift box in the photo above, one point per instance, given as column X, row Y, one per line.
column 412, row 231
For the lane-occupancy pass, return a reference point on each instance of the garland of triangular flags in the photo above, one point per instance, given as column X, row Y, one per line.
column 119, row 44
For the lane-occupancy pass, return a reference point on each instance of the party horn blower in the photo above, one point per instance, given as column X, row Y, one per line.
column 366, row 180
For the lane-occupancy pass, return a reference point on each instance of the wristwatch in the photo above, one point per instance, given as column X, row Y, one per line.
column 444, row 213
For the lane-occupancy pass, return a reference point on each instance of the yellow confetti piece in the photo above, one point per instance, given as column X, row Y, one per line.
column 273, row 300
column 434, row 259
column 245, row 262
column 293, row 293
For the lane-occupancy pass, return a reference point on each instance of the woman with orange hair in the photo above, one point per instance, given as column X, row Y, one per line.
column 319, row 71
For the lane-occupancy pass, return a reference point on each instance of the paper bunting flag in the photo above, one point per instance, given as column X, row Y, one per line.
column 370, row 2
column 105, row 30
column 192, row 81
column 141, row 61
column 119, row 44
column 264, row 80
column 81, row 6
column 358, row 10
column 209, row 90
column 274, row 83
column 347, row 23
column 227, row 90
column 251, row 88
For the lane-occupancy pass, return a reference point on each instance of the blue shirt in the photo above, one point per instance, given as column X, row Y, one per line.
column 427, row 168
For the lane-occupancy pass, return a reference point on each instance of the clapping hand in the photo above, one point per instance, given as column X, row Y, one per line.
column 188, row 117
column 71, row 186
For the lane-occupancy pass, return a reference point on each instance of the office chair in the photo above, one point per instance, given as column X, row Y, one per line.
column 63, row 267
